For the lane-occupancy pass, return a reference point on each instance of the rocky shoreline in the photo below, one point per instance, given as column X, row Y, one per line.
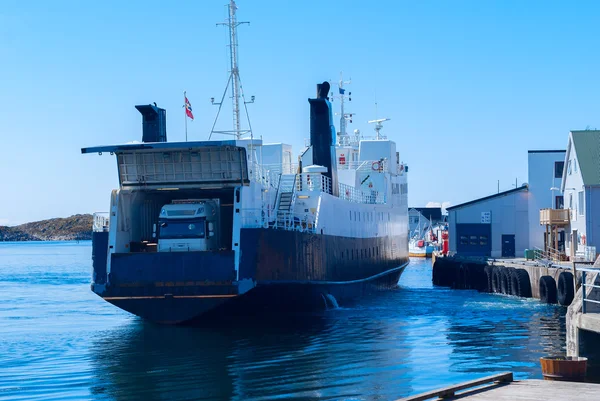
column 77, row 227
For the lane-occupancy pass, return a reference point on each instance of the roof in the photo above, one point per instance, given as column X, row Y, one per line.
column 430, row 213
column 168, row 145
column 498, row 195
column 546, row 151
column 587, row 151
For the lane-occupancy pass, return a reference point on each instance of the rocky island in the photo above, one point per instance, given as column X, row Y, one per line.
column 77, row 227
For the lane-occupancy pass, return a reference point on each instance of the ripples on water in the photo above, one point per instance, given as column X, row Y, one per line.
column 60, row 341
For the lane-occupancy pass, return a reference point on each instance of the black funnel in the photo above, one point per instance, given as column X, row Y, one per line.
column 154, row 123
column 322, row 134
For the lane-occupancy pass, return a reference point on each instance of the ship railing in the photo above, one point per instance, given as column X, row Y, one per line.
column 101, row 222
column 353, row 194
column 303, row 222
column 264, row 175
column 313, row 182
column 281, row 168
column 372, row 166
column 283, row 220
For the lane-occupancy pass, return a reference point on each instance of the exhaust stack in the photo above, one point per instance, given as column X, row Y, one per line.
column 322, row 134
column 154, row 123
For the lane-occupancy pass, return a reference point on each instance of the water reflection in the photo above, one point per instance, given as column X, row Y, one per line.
column 387, row 346
column 59, row 341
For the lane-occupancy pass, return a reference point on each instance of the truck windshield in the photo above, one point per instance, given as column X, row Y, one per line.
column 182, row 228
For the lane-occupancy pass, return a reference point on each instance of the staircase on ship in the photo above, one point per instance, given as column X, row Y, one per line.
column 286, row 196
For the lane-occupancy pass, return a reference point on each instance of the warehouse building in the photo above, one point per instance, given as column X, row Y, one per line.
column 494, row 226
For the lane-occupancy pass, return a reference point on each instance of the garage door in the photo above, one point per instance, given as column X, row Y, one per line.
column 474, row 239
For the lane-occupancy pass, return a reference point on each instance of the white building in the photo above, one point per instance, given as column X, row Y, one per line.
column 581, row 188
column 507, row 223
column 544, row 178
column 495, row 226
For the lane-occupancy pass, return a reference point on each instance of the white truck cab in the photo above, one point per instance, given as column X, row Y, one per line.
column 189, row 225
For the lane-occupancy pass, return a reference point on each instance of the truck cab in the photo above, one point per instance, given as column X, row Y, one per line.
column 189, row 225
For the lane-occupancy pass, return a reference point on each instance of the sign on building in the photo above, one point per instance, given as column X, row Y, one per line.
column 486, row 217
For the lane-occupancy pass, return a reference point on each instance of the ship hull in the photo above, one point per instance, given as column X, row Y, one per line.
column 287, row 271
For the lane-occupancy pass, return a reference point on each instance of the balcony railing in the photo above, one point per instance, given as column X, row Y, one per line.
column 559, row 217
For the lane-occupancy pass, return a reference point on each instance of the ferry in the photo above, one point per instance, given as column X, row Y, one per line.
column 224, row 226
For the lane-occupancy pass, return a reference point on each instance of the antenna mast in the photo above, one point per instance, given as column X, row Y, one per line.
column 234, row 79
column 343, row 135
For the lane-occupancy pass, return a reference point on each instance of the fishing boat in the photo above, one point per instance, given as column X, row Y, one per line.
column 420, row 248
column 222, row 226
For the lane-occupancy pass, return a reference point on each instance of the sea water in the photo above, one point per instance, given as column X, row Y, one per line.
column 59, row 341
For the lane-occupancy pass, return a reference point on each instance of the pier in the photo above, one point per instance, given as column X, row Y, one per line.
column 548, row 282
column 583, row 315
column 502, row 387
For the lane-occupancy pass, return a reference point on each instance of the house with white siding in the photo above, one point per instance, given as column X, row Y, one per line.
column 581, row 189
column 545, row 172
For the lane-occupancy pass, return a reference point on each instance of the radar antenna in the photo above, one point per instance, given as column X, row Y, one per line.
column 378, row 127
column 234, row 80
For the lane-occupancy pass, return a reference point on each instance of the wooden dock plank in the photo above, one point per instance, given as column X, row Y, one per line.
column 525, row 390
column 449, row 391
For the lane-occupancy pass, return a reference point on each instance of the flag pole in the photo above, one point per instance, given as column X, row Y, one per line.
column 185, row 113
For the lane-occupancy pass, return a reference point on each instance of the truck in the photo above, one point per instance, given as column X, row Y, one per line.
column 187, row 225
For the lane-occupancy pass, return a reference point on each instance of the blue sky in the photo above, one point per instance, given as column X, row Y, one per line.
column 469, row 86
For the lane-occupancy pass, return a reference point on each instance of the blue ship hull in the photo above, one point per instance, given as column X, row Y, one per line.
column 278, row 270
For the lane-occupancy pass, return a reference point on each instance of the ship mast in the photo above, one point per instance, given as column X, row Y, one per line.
column 234, row 80
column 344, row 117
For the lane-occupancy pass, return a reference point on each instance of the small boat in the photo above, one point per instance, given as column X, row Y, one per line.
column 422, row 244
column 420, row 248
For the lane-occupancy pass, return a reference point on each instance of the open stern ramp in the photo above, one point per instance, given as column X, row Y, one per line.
column 179, row 164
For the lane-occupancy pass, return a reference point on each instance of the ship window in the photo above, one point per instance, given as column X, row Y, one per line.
column 361, row 253
column 464, row 240
column 351, row 215
column 369, row 252
column 347, row 255
column 377, row 251
column 388, row 216
column 354, row 216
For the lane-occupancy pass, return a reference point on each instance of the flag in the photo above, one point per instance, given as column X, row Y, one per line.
column 188, row 108
column 342, row 91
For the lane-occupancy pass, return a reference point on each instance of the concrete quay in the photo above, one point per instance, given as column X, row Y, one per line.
column 551, row 283
column 583, row 318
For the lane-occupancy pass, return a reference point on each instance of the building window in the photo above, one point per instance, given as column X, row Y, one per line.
column 570, row 201
column 558, row 169
column 559, row 202
column 483, row 240
column 581, row 213
column 575, row 165
column 464, row 240
column 474, row 240
column 569, row 167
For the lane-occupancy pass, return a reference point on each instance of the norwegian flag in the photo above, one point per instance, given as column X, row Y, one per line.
column 188, row 108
